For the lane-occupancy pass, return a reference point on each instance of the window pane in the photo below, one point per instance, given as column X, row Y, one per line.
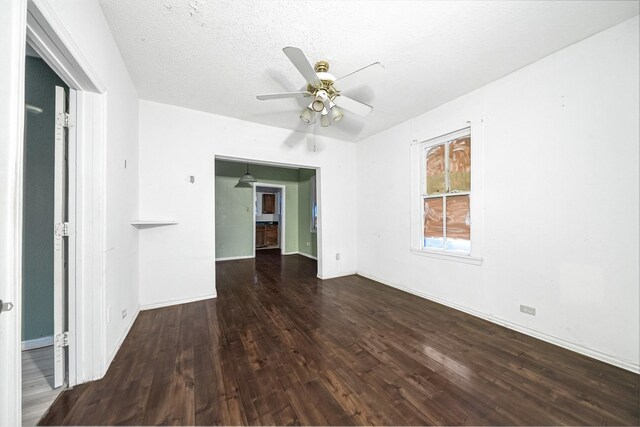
column 458, row 224
column 435, row 170
column 460, row 164
column 461, row 246
column 433, row 223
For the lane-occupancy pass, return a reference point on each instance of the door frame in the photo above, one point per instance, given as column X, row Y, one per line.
column 257, row 161
column 86, row 191
column 12, row 52
column 35, row 21
column 281, row 224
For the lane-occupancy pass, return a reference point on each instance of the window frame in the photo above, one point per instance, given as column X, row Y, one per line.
column 419, row 195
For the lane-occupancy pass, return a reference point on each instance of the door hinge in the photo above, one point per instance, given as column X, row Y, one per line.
column 68, row 121
column 62, row 340
column 63, row 229
column 5, row 306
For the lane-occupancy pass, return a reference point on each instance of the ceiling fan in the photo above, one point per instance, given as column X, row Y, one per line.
column 327, row 101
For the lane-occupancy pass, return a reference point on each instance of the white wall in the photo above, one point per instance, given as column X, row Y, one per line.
column 177, row 262
column 560, row 200
column 87, row 27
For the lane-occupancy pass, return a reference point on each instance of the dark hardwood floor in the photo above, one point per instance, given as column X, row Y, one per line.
column 279, row 346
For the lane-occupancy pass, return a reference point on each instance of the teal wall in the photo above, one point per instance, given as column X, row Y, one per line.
column 307, row 241
column 37, row 297
column 234, row 208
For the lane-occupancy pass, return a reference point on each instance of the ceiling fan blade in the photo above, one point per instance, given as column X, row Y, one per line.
column 371, row 72
column 283, row 95
column 352, row 105
column 300, row 61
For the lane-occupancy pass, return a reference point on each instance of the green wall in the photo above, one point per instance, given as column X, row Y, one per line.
column 307, row 241
column 37, row 288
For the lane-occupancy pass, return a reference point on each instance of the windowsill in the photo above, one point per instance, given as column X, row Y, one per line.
column 467, row 259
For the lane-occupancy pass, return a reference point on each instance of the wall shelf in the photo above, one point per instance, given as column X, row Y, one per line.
column 146, row 223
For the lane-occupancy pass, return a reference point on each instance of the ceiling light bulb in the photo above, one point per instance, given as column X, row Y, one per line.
column 307, row 115
column 336, row 113
column 325, row 120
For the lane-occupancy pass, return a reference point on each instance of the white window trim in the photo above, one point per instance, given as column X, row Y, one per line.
column 418, row 175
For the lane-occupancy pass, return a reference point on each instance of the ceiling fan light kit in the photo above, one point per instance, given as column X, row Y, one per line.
column 317, row 106
column 336, row 113
column 325, row 121
column 327, row 99
column 308, row 116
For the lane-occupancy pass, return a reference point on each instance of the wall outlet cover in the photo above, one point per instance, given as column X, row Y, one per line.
column 528, row 310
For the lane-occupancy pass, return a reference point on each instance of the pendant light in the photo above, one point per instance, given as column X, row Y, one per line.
column 247, row 178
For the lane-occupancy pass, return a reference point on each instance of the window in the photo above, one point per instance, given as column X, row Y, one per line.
column 445, row 193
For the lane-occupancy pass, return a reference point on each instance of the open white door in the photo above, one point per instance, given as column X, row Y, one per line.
column 61, row 233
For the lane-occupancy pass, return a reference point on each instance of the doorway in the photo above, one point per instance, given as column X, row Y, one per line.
column 269, row 216
column 86, row 198
column 45, row 246
column 278, row 210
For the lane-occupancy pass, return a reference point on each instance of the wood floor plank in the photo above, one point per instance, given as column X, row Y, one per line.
column 280, row 347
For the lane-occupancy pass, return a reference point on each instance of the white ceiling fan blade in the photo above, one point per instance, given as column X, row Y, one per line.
column 352, row 105
column 300, row 61
column 370, row 73
column 283, row 95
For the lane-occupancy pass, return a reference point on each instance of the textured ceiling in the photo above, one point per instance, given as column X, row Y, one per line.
column 216, row 56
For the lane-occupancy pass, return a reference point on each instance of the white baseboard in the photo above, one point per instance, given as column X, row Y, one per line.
column 301, row 253
column 231, row 258
column 175, row 302
column 120, row 341
column 307, row 255
column 560, row 342
column 37, row 343
column 335, row 276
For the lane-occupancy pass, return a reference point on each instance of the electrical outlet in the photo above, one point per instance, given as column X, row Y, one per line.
column 337, row 256
column 527, row 310
column 308, row 243
column 124, row 313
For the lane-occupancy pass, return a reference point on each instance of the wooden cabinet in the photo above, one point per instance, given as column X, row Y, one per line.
column 267, row 235
column 269, row 204
column 260, row 234
column 271, row 235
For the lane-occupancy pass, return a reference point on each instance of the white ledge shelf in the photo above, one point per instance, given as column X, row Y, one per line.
column 143, row 223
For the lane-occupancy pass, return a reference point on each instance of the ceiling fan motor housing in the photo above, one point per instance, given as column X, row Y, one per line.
column 326, row 81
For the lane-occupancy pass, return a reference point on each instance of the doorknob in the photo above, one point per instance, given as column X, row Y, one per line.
column 5, row 306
